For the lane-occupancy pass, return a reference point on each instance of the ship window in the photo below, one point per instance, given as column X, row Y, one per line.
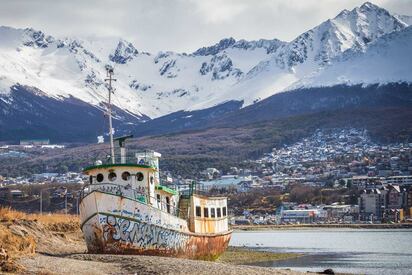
column 159, row 199
column 151, row 180
column 224, row 212
column 126, row 176
column 139, row 176
column 219, row 212
column 212, row 213
column 112, row 176
column 91, row 179
column 168, row 204
column 198, row 211
column 99, row 177
column 206, row 212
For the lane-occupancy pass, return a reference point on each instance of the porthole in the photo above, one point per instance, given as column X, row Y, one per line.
column 139, row 176
column 112, row 176
column 126, row 176
column 151, row 180
column 99, row 177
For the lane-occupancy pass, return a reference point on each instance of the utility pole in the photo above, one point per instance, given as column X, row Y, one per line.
column 65, row 203
column 41, row 202
column 109, row 110
column 77, row 204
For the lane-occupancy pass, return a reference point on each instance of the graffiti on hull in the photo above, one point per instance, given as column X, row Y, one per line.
column 142, row 235
column 149, row 218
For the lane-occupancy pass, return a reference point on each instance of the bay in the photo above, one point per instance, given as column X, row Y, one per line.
column 358, row 251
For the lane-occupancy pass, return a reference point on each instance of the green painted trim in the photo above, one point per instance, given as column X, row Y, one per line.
column 103, row 166
column 109, row 214
column 107, row 193
column 121, row 196
column 166, row 189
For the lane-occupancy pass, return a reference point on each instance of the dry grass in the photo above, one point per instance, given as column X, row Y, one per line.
column 17, row 243
column 8, row 215
column 53, row 222
column 14, row 245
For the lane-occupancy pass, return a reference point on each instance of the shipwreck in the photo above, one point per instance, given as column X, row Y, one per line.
column 125, row 209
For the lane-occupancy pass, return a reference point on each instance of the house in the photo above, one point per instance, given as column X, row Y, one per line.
column 341, row 211
column 58, row 194
column 35, row 142
column 210, row 173
column 372, row 203
column 301, row 215
column 399, row 180
column 16, row 194
column 396, row 197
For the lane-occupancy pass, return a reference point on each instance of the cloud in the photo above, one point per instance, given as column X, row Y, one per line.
column 219, row 11
column 179, row 25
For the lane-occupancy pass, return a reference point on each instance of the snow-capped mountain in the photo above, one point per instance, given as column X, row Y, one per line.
column 387, row 60
column 148, row 84
column 313, row 50
column 365, row 45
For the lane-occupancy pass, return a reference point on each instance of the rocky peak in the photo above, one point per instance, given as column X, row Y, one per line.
column 33, row 38
column 368, row 6
column 125, row 51
column 270, row 45
column 212, row 50
column 349, row 30
column 220, row 66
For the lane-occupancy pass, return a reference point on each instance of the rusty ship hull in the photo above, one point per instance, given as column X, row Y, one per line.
column 115, row 224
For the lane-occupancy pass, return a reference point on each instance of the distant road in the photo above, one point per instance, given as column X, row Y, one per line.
column 298, row 226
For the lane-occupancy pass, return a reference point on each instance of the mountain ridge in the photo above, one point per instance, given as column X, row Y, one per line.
column 152, row 86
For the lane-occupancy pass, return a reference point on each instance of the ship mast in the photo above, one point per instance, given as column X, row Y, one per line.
column 109, row 110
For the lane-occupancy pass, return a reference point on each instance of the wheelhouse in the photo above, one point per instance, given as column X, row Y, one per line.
column 209, row 214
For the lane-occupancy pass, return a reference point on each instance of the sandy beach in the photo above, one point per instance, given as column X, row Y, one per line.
column 123, row 264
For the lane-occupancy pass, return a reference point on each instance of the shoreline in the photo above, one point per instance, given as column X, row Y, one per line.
column 248, row 255
column 320, row 226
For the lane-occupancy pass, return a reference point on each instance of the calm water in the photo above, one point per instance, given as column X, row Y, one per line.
column 360, row 251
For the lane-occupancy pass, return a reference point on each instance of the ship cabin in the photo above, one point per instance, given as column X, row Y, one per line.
column 208, row 214
column 136, row 176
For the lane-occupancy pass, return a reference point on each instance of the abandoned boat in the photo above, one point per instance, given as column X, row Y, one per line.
column 125, row 209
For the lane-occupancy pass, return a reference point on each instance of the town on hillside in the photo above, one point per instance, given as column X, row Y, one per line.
column 334, row 176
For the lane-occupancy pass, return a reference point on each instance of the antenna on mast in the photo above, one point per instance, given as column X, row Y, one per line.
column 109, row 70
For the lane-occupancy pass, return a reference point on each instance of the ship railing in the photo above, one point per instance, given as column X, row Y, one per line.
column 194, row 189
column 130, row 193
column 131, row 157
column 197, row 189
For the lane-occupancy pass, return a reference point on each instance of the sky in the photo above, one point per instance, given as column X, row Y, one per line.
column 179, row 25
